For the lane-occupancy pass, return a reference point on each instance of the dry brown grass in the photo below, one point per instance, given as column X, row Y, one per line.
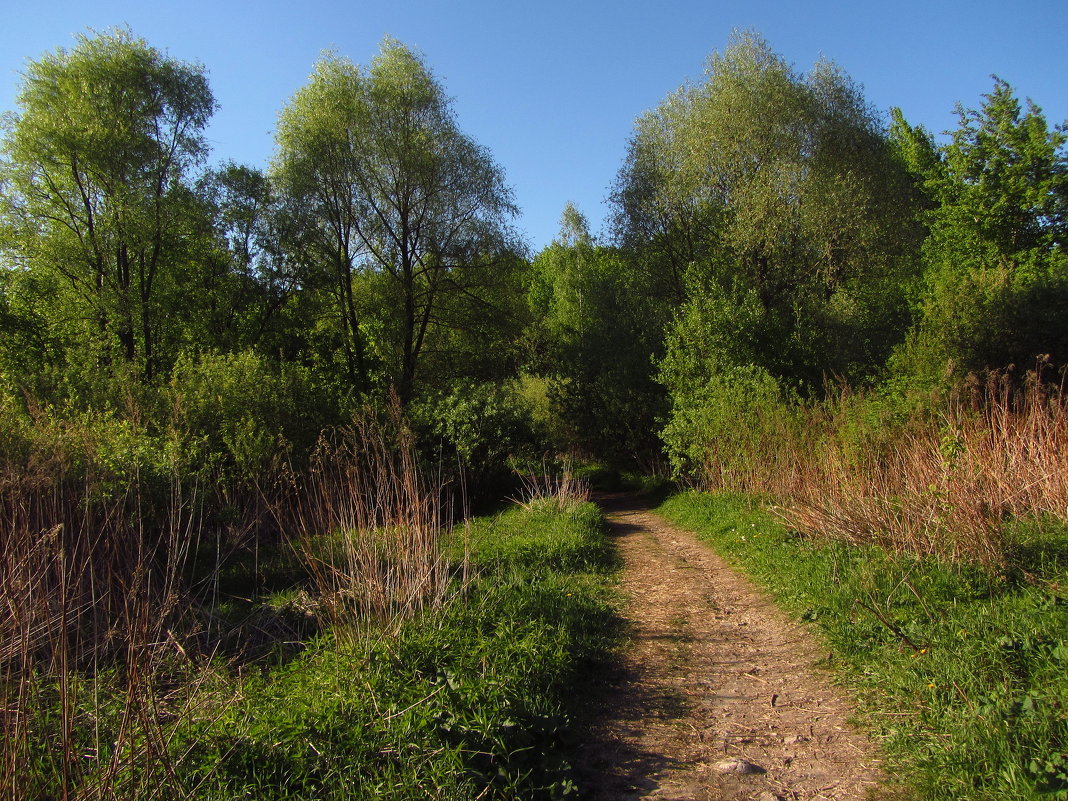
column 368, row 523
column 939, row 483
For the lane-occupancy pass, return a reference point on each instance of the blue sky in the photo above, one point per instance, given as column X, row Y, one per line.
column 552, row 88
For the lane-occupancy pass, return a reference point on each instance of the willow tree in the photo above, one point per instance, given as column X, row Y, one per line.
column 406, row 217
column 97, row 205
column 764, row 182
column 773, row 206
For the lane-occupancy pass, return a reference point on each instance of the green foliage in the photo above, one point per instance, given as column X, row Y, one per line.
column 247, row 409
column 961, row 673
column 402, row 216
column 15, row 423
column 483, row 423
column 101, row 454
column 595, row 335
column 995, row 291
column 778, row 216
column 543, row 537
column 761, row 181
column 472, row 701
column 250, row 267
column 96, row 211
column 478, row 428
column 605, row 478
column 716, row 331
column 736, row 419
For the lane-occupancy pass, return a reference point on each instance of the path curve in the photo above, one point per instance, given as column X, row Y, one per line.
column 713, row 672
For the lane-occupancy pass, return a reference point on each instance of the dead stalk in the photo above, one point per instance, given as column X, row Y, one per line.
column 932, row 485
column 368, row 523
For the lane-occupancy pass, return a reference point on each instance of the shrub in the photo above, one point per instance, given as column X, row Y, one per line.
column 246, row 408
column 728, row 431
column 477, row 428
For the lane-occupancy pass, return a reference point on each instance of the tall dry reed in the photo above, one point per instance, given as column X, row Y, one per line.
column 559, row 489
column 91, row 599
column 950, row 481
column 940, row 482
column 368, row 522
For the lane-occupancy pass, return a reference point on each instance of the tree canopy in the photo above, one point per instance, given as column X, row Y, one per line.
column 770, row 232
column 97, row 202
column 764, row 180
column 996, row 284
column 407, row 216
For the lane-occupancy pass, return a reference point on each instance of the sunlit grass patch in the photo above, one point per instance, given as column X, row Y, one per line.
column 471, row 699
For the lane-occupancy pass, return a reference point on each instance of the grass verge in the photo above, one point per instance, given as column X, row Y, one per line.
column 962, row 673
column 468, row 701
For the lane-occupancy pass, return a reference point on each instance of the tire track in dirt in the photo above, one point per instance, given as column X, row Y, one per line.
column 713, row 672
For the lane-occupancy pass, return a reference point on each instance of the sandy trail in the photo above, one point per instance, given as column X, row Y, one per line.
column 713, row 672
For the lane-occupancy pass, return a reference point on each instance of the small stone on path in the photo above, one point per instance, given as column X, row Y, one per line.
column 738, row 766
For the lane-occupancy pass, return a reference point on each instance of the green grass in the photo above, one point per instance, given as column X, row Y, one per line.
column 607, row 478
column 473, row 701
column 962, row 675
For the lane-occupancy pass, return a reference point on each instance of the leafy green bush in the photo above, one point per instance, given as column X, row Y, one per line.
column 477, row 428
column 727, row 428
column 246, row 409
column 977, row 319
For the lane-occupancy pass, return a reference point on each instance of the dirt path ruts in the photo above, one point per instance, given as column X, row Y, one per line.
column 713, row 672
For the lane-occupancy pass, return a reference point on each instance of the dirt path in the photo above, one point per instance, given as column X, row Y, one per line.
column 714, row 673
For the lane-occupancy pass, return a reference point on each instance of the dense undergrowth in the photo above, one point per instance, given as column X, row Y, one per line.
column 311, row 627
column 961, row 669
column 934, row 476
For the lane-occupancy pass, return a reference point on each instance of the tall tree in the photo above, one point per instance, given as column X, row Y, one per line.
column 97, row 208
column 407, row 215
column 761, row 180
column 593, row 339
column 996, row 288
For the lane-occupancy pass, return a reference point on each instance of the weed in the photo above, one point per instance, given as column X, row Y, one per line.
column 367, row 525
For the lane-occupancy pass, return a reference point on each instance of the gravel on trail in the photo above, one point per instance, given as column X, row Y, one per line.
column 717, row 696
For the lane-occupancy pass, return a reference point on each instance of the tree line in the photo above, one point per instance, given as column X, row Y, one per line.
column 774, row 238
column 770, row 232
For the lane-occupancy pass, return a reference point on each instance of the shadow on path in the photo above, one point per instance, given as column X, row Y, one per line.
column 622, row 701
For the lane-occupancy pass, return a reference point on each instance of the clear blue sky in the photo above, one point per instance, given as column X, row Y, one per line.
column 552, row 88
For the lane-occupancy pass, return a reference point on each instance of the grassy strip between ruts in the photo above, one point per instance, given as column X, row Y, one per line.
column 962, row 675
column 472, row 701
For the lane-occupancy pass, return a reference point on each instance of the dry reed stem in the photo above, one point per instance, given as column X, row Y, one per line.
column 368, row 523
column 933, row 485
column 558, row 489
column 88, row 586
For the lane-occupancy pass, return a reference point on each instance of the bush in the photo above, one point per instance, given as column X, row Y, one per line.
column 246, row 409
column 977, row 319
column 477, row 428
column 728, row 431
